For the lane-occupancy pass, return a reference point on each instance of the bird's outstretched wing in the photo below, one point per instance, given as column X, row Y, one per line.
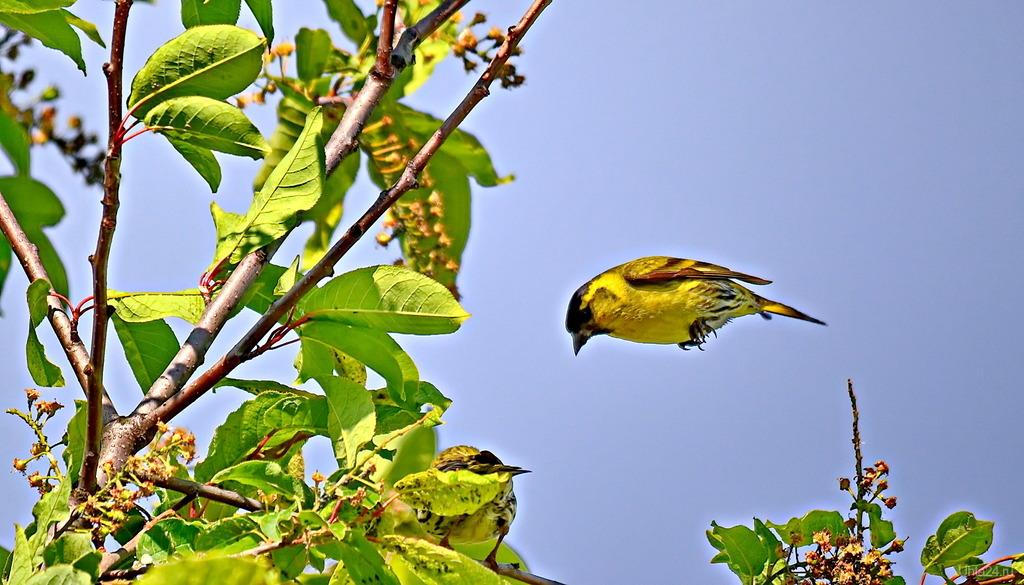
column 662, row 268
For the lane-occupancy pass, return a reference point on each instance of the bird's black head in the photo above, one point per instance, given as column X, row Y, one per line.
column 579, row 320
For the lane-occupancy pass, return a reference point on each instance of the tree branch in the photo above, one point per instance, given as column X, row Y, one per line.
column 512, row 571
column 101, row 257
column 345, row 139
column 209, row 492
column 70, row 342
column 325, row 267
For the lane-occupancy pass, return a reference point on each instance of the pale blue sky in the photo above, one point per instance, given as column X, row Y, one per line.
column 866, row 156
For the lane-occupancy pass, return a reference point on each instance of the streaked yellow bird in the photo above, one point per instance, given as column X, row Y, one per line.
column 658, row 299
column 489, row 522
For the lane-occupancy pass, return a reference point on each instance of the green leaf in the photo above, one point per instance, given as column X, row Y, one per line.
column 376, row 349
column 352, row 20
column 51, row 29
column 15, row 142
column 288, row 279
column 437, row 565
column 362, row 562
column 150, row 306
column 148, row 346
column 351, row 419
column 387, row 298
column 293, row 186
column 171, row 536
column 33, row 6
column 208, row 123
column 312, row 47
column 450, row 493
column 415, row 451
column 327, row 213
column 199, row 12
column 201, row 159
column 882, row 532
column 281, row 416
column 219, row 570
column 231, row 535
column 215, row 61
column 43, row 371
column 740, row 548
column 959, row 537
column 262, row 11
column 51, row 509
column 268, row 477
column 800, row 531
column 76, row 430
column 261, row 294
column 256, row 387
column 67, row 549
column 86, row 27
column 60, row 575
column 36, row 207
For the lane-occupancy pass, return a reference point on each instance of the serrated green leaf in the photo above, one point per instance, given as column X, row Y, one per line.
column 207, row 123
column 268, row 477
column 215, row 61
column 15, row 142
column 60, row 575
column 327, row 213
column 351, row 419
column 43, row 371
column 262, row 11
column 90, row 30
column 67, row 549
column 959, row 537
column 437, row 565
column 451, row 493
column 376, row 349
column 33, row 6
column 150, row 306
column 51, row 29
column 740, row 548
column 293, row 186
column 199, row 12
column 277, row 415
column 312, row 47
column 171, row 536
column 201, row 159
column 148, row 347
column 387, row 298
column 219, row 570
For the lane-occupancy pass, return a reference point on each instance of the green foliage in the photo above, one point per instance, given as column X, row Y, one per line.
column 451, row 493
column 959, row 537
column 148, row 346
column 43, row 371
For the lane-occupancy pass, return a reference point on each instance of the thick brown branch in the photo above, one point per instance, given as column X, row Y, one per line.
column 101, row 257
column 74, row 349
column 209, row 492
column 325, row 267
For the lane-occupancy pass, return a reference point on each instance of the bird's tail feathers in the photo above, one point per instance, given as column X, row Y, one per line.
column 780, row 309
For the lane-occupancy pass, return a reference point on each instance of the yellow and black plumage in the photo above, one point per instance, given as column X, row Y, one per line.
column 658, row 299
column 490, row 521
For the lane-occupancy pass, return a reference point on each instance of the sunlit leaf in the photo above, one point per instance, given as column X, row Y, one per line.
column 43, row 371
column 149, row 306
column 351, row 419
column 959, row 537
column 437, row 565
column 451, row 493
column 201, row 159
column 208, row 123
column 51, row 29
column 312, row 47
column 215, row 61
column 198, row 12
column 221, row 570
column 148, row 347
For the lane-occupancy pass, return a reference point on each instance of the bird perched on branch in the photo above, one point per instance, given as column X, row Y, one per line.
column 492, row 520
column 659, row 299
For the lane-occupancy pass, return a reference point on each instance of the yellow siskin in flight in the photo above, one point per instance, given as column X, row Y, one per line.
column 659, row 299
column 489, row 522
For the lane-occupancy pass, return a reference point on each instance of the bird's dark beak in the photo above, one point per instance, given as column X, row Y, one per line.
column 513, row 469
column 579, row 339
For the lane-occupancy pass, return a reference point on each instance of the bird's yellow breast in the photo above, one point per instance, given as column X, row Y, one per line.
column 662, row 312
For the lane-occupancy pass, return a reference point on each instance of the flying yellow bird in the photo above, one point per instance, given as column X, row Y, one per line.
column 659, row 299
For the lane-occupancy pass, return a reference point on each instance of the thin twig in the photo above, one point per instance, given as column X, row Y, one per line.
column 513, row 571
column 101, row 257
column 862, row 490
column 209, row 492
column 28, row 254
column 325, row 267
